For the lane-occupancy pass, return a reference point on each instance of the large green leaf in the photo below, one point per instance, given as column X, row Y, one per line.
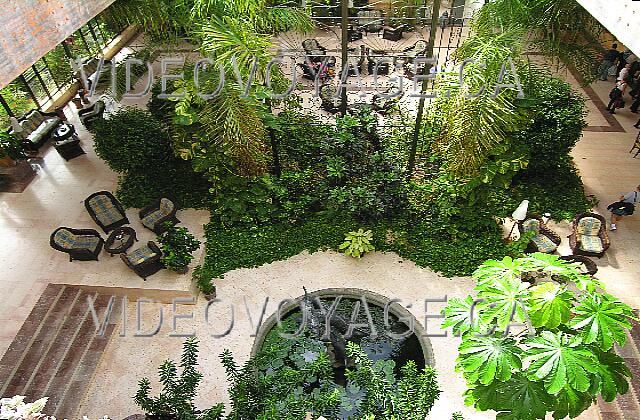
column 503, row 301
column 457, row 314
column 602, row 319
column 570, row 402
column 611, row 376
column 494, row 270
column 550, row 305
column 489, row 358
column 559, row 360
column 517, row 399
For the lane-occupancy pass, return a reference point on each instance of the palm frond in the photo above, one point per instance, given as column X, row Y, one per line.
column 234, row 122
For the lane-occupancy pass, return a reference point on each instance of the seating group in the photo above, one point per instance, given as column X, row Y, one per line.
column 107, row 212
column 589, row 238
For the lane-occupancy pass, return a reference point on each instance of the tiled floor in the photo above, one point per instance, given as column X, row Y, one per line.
column 55, row 197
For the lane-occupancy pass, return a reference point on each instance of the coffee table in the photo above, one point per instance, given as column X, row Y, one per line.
column 66, row 141
column 120, row 240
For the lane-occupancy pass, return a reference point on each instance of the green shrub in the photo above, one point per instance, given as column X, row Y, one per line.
column 178, row 245
column 135, row 145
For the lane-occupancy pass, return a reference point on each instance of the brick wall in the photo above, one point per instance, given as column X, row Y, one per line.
column 31, row 28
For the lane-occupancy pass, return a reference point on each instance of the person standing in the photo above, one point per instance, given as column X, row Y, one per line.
column 624, row 72
column 616, row 95
column 443, row 19
column 624, row 207
column 610, row 58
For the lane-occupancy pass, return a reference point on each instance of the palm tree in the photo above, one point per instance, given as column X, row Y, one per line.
column 473, row 120
column 561, row 30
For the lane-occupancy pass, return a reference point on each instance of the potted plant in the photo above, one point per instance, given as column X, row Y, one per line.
column 178, row 244
column 10, row 149
column 204, row 283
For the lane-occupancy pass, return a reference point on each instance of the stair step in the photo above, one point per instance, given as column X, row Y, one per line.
column 12, row 357
column 68, row 407
column 48, row 366
column 39, row 347
column 68, row 366
column 57, row 350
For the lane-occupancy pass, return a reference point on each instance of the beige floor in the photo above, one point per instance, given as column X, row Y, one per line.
column 55, row 199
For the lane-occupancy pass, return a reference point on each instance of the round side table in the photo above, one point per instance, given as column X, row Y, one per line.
column 120, row 240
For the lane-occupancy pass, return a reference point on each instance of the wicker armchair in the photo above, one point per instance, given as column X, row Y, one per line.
column 156, row 214
column 144, row 261
column 331, row 101
column 80, row 244
column 313, row 50
column 90, row 114
column 545, row 240
column 589, row 236
column 106, row 210
column 418, row 49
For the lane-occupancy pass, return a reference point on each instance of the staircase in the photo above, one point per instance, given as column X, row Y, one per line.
column 626, row 407
column 57, row 350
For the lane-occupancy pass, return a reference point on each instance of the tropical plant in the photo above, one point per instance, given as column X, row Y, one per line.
column 165, row 20
column 357, row 243
column 476, row 116
column 11, row 147
column 562, row 30
column 178, row 245
column 411, row 396
column 175, row 401
column 563, row 358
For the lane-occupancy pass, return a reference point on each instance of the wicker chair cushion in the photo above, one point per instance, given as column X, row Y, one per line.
column 591, row 243
column 531, row 225
column 140, row 255
column 544, row 244
column 68, row 240
column 105, row 210
column 589, row 226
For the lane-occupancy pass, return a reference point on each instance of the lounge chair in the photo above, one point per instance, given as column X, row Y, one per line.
column 330, row 101
column 80, row 244
column 314, row 50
